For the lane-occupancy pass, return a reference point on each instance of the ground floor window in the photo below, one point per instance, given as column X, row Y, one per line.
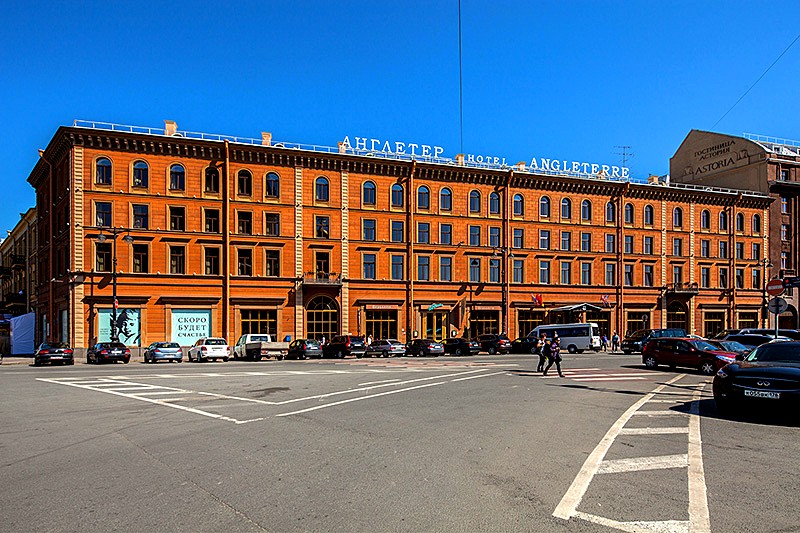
column 713, row 323
column 603, row 321
column 527, row 319
column 381, row 324
column 322, row 318
column 677, row 317
column 636, row 320
column 484, row 322
column 263, row 321
column 748, row 319
column 435, row 324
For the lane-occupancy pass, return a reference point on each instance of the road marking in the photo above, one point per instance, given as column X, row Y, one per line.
column 376, row 382
column 660, row 413
column 643, row 463
column 480, row 376
column 698, row 500
column 662, row 526
column 654, row 431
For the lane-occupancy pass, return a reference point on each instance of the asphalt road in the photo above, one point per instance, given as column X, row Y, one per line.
column 443, row 444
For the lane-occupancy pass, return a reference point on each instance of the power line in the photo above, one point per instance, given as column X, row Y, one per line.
column 460, row 83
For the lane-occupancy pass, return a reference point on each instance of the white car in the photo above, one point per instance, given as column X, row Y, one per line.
column 212, row 348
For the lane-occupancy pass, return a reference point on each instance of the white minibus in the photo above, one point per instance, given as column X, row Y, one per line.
column 575, row 338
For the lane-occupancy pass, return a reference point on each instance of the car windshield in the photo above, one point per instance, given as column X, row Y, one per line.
column 312, row 343
column 167, row 345
column 50, row 345
column 733, row 346
column 704, row 345
column 112, row 345
column 215, row 342
column 259, row 338
column 776, row 353
column 637, row 335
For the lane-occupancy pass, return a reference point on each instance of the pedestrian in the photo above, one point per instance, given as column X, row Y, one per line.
column 554, row 356
column 322, row 341
column 539, row 350
column 614, row 342
column 604, row 342
column 369, row 340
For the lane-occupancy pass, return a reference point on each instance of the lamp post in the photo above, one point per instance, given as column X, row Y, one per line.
column 504, row 254
column 114, row 231
column 766, row 263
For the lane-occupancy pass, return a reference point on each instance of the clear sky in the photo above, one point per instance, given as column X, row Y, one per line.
column 571, row 80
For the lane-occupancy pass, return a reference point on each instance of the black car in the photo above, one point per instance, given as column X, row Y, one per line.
column 112, row 352
column 524, row 345
column 768, row 377
column 53, row 352
column 790, row 333
column 751, row 340
column 494, row 343
column 461, row 346
column 420, row 347
column 304, row 349
column 638, row 339
column 344, row 345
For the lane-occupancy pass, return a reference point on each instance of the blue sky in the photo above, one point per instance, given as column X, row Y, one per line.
column 570, row 80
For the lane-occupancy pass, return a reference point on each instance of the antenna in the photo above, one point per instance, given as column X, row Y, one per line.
column 625, row 153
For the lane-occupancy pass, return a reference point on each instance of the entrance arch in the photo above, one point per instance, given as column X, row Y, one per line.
column 677, row 316
column 322, row 318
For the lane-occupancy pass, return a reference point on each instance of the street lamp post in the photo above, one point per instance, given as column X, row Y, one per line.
column 504, row 253
column 766, row 263
column 114, row 231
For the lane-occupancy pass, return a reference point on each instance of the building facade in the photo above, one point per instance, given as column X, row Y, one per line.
column 758, row 163
column 206, row 235
column 17, row 259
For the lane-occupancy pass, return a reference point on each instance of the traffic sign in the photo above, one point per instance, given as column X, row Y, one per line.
column 778, row 305
column 791, row 282
column 775, row 287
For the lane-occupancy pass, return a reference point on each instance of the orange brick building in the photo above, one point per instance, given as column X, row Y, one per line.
column 223, row 236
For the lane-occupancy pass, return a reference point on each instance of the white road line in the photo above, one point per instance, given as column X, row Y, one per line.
column 635, row 464
column 634, row 378
column 606, row 374
column 663, row 526
column 699, row 519
column 665, row 412
column 480, row 376
column 376, row 382
column 171, row 391
column 654, row 431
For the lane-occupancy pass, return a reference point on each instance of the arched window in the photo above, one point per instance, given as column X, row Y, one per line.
column 322, row 318
column 398, row 195
column 141, row 174
column 519, row 205
column 739, row 222
column 756, row 224
column 648, row 215
column 321, row 189
column 611, row 212
column 368, row 193
column 103, row 171
column 629, row 213
column 544, row 207
column 677, row 217
column 723, row 221
column 272, row 185
column 494, row 203
column 177, row 177
column 705, row 219
column 586, row 210
column 474, row 202
column 566, row 208
column 445, row 199
column 423, row 198
column 212, row 180
column 244, row 181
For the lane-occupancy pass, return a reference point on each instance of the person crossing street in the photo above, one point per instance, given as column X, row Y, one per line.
column 553, row 351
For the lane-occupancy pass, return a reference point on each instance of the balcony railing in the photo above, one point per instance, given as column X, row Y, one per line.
column 322, row 278
column 683, row 288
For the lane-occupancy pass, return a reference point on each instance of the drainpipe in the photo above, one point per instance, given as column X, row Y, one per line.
column 410, row 311
column 226, row 243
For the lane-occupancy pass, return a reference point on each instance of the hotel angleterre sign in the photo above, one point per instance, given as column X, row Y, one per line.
column 410, row 150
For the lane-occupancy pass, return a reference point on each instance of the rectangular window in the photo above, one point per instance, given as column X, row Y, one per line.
column 177, row 260
column 140, row 258
column 494, row 270
column 544, row 239
column 785, row 232
column 211, row 220
column 474, row 269
column 566, row 273
column 177, row 218
column 272, row 263
column 369, row 266
column 445, row 233
column 677, row 247
column 102, row 252
column 648, row 276
column 586, row 273
column 785, row 260
column 611, row 243
column 628, row 275
column 723, row 249
column 628, row 245
column 611, row 274
column 677, row 274
column 544, row 272
column 398, row 231
column 518, row 239
column 423, row 267
column 647, row 246
column 705, row 277
column 423, row 232
column 212, row 261
column 103, row 214
column 519, row 271
column 756, row 278
column 756, row 251
column 723, row 278
column 368, row 229
column 566, row 240
column 739, row 250
column 586, row 242
column 141, row 218
column 784, row 175
column 494, row 237
column 272, row 224
column 244, row 222
column 322, row 227
column 784, row 205
column 397, row 267
column 740, row 278
column 705, row 248
column 445, row 268
column 212, row 180
column 245, row 261
column 474, row 235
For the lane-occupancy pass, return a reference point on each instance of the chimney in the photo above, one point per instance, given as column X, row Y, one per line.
column 170, row 128
column 653, row 180
column 342, row 148
column 460, row 159
column 266, row 138
column 520, row 165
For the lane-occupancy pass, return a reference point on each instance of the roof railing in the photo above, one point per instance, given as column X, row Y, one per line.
column 770, row 140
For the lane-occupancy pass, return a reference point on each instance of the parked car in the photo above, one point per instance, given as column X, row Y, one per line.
column 461, row 346
column 731, row 346
column 304, row 349
column 209, row 348
column 53, row 352
column 524, row 345
column 637, row 340
column 574, row 338
column 104, row 352
column 685, row 352
column 751, row 340
column 766, row 378
column 493, row 343
column 256, row 346
column 344, row 345
column 163, row 351
column 386, row 348
column 790, row 333
column 420, row 347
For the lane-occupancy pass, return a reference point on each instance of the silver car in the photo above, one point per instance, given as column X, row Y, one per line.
column 386, row 348
column 163, row 351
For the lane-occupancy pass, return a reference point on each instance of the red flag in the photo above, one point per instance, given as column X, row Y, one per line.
column 116, row 304
column 604, row 300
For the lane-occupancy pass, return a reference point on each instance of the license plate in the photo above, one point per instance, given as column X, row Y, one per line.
column 763, row 394
column 115, row 352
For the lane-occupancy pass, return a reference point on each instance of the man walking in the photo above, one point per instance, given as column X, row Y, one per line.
column 554, row 356
column 614, row 342
column 541, row 342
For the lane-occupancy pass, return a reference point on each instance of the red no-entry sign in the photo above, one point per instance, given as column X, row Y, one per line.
column 775, row 287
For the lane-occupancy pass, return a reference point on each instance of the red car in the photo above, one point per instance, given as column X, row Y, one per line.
column 685, row 352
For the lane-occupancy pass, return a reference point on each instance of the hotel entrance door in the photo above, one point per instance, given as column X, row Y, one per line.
column 434, row 325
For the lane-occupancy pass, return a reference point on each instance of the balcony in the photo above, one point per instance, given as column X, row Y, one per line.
column 322, row 278
column 683, row 288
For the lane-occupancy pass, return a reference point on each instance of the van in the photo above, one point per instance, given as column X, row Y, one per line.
column 575, row 338
column 636, row 340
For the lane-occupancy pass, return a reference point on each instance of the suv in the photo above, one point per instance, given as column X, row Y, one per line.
column 108, row 351
column 344, row 345
column 685, row 352
column 420, row 347
column 206, row 348
column 638, row 339
column 494, row 343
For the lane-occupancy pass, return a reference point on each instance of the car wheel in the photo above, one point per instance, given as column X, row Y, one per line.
column 572, row 348
column 339, row 355
column 707, row 368
column 458, row 351
column 88, row 361
column 359, row 355
column 492, row 350
column 225, row 359
column 650, row 362
column 36, row 362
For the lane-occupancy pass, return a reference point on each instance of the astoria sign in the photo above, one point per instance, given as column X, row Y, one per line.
column 537, row 164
